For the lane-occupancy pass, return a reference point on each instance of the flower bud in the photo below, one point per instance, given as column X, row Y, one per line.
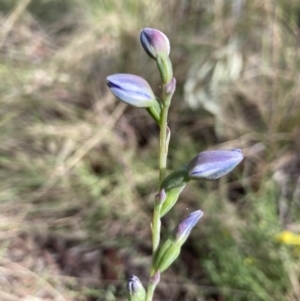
column 155, row 42
column 136, row 291
column 170, row 250
column 160, row 197
column 132, row 90
column 171, row 86
column 165, row 68
column 155, row 278
column 185, row 227
column 169, row 90
column 157, row 46
column 213, row 164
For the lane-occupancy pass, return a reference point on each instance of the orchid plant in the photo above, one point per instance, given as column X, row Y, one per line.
column 208, row 165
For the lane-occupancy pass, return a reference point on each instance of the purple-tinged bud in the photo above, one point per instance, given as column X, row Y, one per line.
column 157, row 46
column 161, row 196
column 213, row 164
column 169, row 90
column 155, row 278
column 132, row 90
column 184, row 228
column 171, row 86
column 155, row 42
column 136, row 291
column 170, row 249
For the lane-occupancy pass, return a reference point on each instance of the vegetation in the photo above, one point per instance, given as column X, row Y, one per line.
column 74, row 197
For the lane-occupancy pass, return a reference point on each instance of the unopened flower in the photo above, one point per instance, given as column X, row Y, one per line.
column 155, row 43
column 170, row 250
column 136, row 291
column 155, row 278
column 171, row 87
column 132, row 90
column 184, row 228
column 213, row 164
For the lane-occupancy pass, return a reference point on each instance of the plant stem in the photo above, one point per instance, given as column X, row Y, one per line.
column 150, row 291
column 163, row 154
column 164, row 138
column 163, row 144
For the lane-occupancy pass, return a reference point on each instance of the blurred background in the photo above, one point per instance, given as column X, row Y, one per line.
column 78, row 169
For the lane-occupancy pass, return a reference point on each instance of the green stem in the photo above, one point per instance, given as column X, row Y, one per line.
column 163, row 153
column 150, row 291
column 163, row 144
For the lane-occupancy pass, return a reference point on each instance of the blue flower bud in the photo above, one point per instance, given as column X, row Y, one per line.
column 132, row 90
column 213, row 164
column 170, row 249
column 155, row 43
column 184, row 228
column 136, row 291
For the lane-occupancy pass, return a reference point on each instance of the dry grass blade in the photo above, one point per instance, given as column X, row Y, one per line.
column 12, row 19
column 11, row 269
column 63, row 169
